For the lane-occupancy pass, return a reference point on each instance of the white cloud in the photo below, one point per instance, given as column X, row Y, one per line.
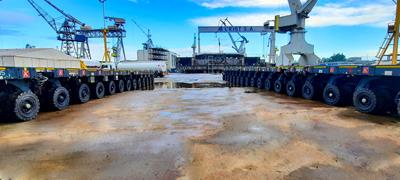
column 369, row 14
column 377, row 14
column 240, row 3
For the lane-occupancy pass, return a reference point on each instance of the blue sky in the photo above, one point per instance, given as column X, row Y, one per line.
column 354, row 27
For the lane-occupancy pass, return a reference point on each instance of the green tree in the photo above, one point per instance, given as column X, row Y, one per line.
column 339, row 57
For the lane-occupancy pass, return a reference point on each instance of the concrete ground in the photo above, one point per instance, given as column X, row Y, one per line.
column 198, row 129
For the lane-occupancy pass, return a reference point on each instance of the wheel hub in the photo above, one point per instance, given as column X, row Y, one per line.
column 308, row 91
column 61, row 98
column 28, row 105
column 364, row 100
column 85, row 93
column 330, row 94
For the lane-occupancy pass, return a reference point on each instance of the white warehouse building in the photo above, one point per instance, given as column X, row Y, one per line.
column 159, row 54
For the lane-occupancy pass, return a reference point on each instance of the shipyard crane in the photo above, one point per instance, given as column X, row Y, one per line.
column 194, row 46
column 295, row 25
column 119, row 25
column 72, row 44
column 242, row 40
column 392, row 38
column 149, row 43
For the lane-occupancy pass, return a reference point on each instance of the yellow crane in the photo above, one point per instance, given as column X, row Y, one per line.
column 393, row 36
column 396, row 35
column 106, row 56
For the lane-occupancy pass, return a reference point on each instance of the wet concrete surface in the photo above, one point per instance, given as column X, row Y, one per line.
column 194, row 127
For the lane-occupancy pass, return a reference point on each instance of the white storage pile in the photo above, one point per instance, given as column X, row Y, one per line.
column 37, row 58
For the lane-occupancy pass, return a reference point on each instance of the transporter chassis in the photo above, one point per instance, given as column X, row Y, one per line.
column 370, row 89
column 26, row 91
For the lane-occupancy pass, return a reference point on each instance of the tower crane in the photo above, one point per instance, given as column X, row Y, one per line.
column 149, row 43
column 72, row 44
column 243, row 40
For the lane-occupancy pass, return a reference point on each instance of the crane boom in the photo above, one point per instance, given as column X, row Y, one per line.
column 241, row 49
column 141, row 29
column 50, row 20
column 68, row 16
column 149, row 44
column 307, row 7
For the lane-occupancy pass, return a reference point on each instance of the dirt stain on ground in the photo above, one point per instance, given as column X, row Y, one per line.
column 194, row 127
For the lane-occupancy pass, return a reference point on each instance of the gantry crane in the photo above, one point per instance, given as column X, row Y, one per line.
column 392, row 38
column 72, row 44
column 242, row 40
column 149, row 43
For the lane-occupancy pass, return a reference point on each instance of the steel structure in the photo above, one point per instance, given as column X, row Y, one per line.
column 392, row 38
column 72, row 44
column 243, row 40
column 263, row 30
column 295, row 25
column 231, row 29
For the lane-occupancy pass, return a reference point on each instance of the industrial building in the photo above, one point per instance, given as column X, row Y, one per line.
column 159, row 54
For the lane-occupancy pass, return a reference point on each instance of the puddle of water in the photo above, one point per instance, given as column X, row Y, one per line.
column 175, row 85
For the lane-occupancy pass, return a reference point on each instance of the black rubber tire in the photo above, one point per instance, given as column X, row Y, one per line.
column 367, row 101
column 246, row 82
column 291, row 89
column 332, row 95
column 268, row 85
column 98, row 90
column 237, row 81
column 128, row 85
column 152, row 83
column 242, row 82
column 139, row 84
column 253, row 82
column 142, row 84
column 83, row 94
column 147, row 82
column 278, row 87
column 260, row 84
column 58, row 99
column 308, row 91
column 134, row 85
column 111, row 88
column 397, row 101
column 121, row 86
column 24, row 106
